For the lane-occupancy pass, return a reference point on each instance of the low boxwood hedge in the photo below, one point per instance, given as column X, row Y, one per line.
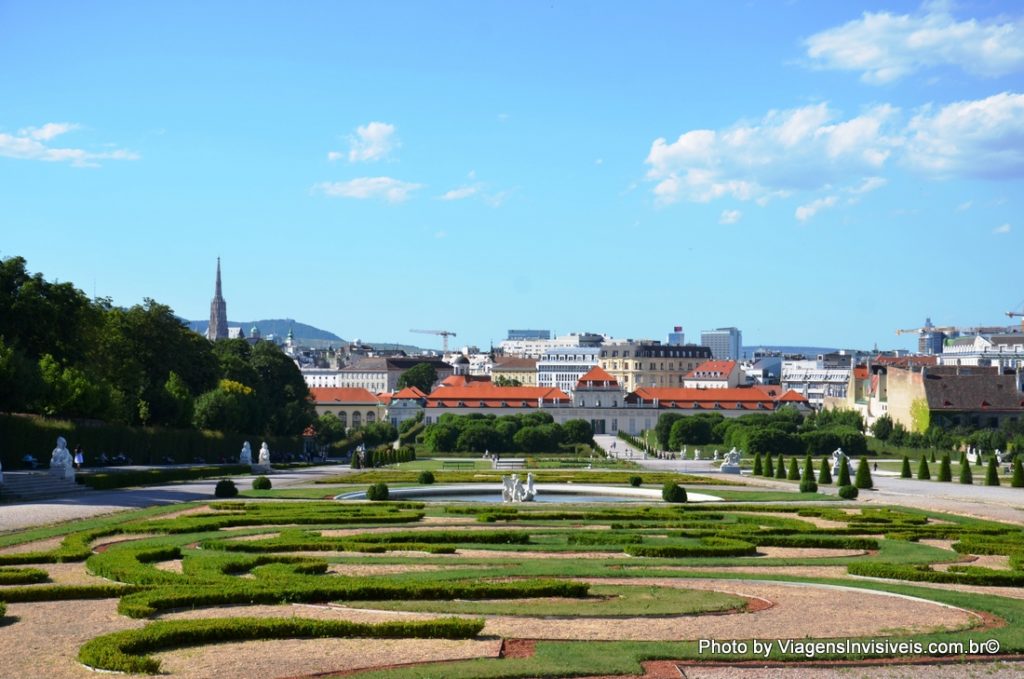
column 924, row 573
column 710, row 547
column 22, row 576
column 148, row 477
column 126, row 651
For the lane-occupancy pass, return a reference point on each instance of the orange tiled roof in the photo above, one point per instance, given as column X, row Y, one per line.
column 342, row 395
column 598, row 374
column 465, row 380
column 736, row 398
column 486, row 395
column 409, row 392
column 712, row 370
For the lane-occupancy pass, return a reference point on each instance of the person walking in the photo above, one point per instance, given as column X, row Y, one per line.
column 79, row 457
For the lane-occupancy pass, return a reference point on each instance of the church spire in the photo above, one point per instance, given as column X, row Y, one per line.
column 218, row 328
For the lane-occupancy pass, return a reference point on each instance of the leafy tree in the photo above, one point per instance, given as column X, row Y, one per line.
column 663, row 428
column 477, row 438
column 231, row 407
column 70, row 392
column 578, row 431
column 863, row 479
column 441, row 437
column 281, row 391
column 379, row 433
column 992, row 473
column 502, row 381
column 905, row 469
column 179, row 395
column 882, row 428
column 923, row 473
column 531, row 440
column 422, row 376
column 825, row 475
column 20, row 383
column 834, row 417
column 693, row 430
column 329, row 428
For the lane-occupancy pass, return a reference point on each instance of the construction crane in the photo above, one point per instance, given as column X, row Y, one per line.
column 445, row 334
column 1020, row 313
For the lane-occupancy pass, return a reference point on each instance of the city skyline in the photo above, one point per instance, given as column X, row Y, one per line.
column 813, row 177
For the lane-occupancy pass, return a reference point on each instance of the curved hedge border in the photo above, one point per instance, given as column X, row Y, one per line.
column 23, row 576
column 126, row 651
column 108, row 480
column 707, row 547
column 977, row 576
column 145, row 603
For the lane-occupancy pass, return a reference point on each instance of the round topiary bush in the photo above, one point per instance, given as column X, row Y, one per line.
column 261, row 483
column 378, row 492
column 848, row 492
column 425, row 477
column 672, row 492
column 635, row 481
column 225, row 488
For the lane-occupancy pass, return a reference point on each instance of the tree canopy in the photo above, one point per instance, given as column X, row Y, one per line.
column 422, row 376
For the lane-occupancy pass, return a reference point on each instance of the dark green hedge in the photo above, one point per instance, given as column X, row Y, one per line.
column 976, row 576
column 64, row 592
column 22, row 576
column 21, row 434
column 126, row 651
column 148, row 477
column 711, row 547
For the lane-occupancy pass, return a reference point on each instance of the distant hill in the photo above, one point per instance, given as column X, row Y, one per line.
column 304, row 334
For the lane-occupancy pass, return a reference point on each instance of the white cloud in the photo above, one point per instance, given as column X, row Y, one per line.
column 965, row 206
column 982, row 138
column 30, row 144
column 886, row 47
column 729, row 216
column 461, row 192
column 391, row 190
column 373, row 141
column 797, row 149
column 805, row 212
column 868, row 185
column 1003, row 228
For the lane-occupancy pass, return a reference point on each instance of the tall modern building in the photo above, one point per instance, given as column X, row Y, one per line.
column 529, row 335
column 725, row 343
column 218, row 329
column 677, row 337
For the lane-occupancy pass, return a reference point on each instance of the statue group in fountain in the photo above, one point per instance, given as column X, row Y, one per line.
column 512, row 489
column 61, row 462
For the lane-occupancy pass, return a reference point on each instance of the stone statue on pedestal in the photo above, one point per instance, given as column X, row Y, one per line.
column 61, row 462
column 264, row 455
column 838, row 459
column 246, row 456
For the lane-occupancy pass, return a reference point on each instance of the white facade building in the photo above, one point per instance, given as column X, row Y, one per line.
column 321, row 377
column 535, row 348
column 1002, row 351
column 563, row 368
column 811, row 380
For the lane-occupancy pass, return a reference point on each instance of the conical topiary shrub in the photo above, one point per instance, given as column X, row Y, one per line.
column 794, row 470
column 923, row 472
column 963, row 458
column 807, row 484
column 825, row 475
column 769, row 467
column 844, row 474
column 966, row 476
column 978, row 462
column 933, row 457
column 863, row 479
column 780, row 470
column 1017, row 481
column 945, row 470
column 992, row 473
column 758, row 468
column 905, row 470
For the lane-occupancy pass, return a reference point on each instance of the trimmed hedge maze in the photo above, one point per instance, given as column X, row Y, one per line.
column 473, row 560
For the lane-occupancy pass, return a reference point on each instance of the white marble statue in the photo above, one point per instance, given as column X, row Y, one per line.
column 246, row 456
column 696, row 454
column 61, row 462
column 838, row 458
column 717, row 456
column 999, row 456
column 264, row 455
column 512, row 489
column 972, row 455
column 732, row 462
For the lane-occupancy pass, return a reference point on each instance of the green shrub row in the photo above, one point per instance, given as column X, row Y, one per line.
column 370, row 542
column 924, row 573
column 603, row 538
column 145, row 603
column 541, row 476
column 22, row 576
column 65, row 592
column 74, row 547
column 711, row 547
column 812, row 541
column 149, row 477
column 126, row 651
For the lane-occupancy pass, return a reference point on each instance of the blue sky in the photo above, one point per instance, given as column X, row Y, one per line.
column 813, row 173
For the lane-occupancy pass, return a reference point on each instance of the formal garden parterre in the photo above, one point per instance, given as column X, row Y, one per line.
column 408, row 589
